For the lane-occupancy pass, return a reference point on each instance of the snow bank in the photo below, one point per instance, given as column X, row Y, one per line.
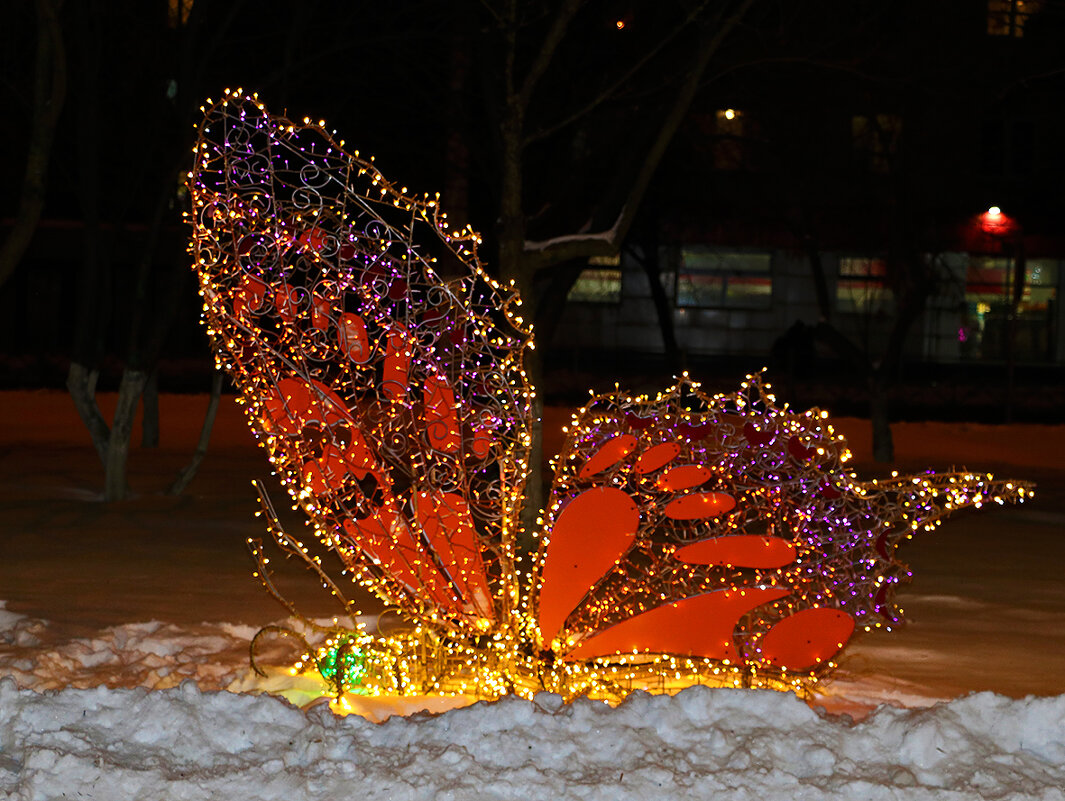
column 164, row 727
column 184, row 743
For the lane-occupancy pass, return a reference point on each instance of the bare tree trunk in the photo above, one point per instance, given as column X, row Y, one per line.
column 129, row 395
column 49, row 91
column 535, row 493
column 456, row 196
column 880, row 418
column 518, row 261
column 551, row 302
column 150, row 404
column 81, row 383
column 186, row 475
column 663, row 308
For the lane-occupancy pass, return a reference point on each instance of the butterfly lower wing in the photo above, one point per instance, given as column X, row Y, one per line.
column 724, row 529
column 391, row 400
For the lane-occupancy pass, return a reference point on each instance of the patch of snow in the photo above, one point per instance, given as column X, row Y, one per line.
column 171, row 712
column 702, row 743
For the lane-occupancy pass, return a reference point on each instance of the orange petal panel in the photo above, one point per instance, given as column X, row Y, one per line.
column 297, row 402
column 396, row 376
column 656, row 457
column 352, row 337
column 742, row 550
column 807, row 638
column 448, row 526
column 684, row 477
column 286, row 299
column 441, row 422
column 314, row 239
column 400, row 556
column 480, row 444
column 611, row 452
column 321, row 313
column 359, row 456
column 327, row 472
column 251, row 295
column 330, row 470
column 589, row 536
column 699, row 505
column 702, row 625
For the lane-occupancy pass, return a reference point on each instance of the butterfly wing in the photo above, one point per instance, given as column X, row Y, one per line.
column 379, row 365
column 724, row 529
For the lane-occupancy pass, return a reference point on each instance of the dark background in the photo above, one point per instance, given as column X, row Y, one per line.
column 421, row 85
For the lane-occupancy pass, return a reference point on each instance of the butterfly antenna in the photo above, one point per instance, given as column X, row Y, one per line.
column 290, row 545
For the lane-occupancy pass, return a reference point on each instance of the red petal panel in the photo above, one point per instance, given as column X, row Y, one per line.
column 684, row 477
column 448, row 526
column 742, row 550
column 807, row 638
column 396, row 376
column 702, row 625
column 699, row 505
column 441, row 422
column 656, row 457
column 589, row 536
column 695, row 432
column 637, row 422
column 756, row 437
column 612, row 452
column 800, row 451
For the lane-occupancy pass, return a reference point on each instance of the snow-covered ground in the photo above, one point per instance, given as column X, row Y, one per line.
column 124, row 643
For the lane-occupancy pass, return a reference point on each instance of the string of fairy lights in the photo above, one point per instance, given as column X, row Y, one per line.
column 688, row 538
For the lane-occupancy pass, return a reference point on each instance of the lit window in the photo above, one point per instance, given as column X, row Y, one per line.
column 1007, row 17
column 862, row 285
column 710, row 278
column 876, row 139
column 177, row 13
column 728, row 141
column 989, row 290
column 599, row 282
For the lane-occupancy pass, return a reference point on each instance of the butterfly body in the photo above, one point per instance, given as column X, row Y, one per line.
column 687, row 537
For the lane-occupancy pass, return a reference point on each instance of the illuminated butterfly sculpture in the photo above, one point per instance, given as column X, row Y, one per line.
column 687, row 538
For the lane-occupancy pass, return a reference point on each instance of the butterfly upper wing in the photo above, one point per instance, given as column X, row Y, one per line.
column 726, row 529
column 391, row 399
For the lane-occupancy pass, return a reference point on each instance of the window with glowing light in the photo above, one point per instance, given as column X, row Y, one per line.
column 177, row 13
column 599, row 282
column 709, row 278
column 862, row 285
column 727, row 138
column 875, row 138
column 1007, row 17
column 990, row 290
